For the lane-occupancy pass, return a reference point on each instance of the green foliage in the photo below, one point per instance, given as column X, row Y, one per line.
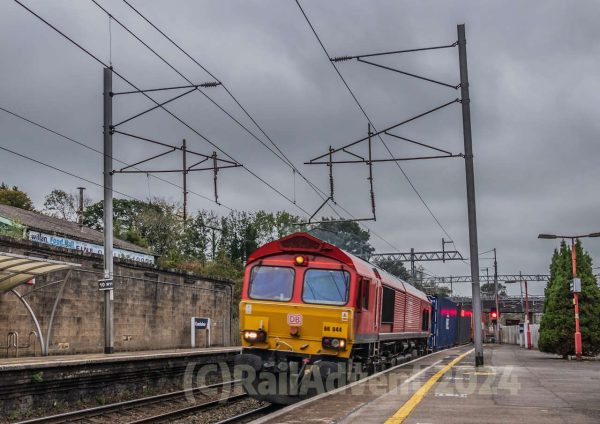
column 393, row 266
column 557, row 327
column 15, row 197
column 148, row 224
column 489, row 289
column 345, row 235
column 38, row 377
column 433, row 289
column 61, row 204
column 13, row 229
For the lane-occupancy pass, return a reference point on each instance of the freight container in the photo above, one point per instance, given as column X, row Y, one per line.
column 465, row 318
column 444, row 323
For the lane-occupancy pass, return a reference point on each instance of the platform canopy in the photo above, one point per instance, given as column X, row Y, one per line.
column 17, row 269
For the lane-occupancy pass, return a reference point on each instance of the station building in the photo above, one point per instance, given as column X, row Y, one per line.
column 153, row 306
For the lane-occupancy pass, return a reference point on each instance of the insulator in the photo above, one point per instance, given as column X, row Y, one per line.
column 210, row 84
column 331, row 185
column 341, row 58
column 373, row 201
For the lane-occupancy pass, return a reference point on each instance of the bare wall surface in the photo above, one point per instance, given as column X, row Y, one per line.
column 153, row 306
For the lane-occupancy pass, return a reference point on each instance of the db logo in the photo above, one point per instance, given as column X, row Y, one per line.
column 294, row 319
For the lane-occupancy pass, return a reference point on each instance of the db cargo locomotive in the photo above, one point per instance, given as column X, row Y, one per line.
column 309, row 306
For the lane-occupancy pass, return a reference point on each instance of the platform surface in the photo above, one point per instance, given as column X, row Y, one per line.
column 514, row 386
column 7, row 364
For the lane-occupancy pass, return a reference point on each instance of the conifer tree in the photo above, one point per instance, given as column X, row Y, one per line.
column 557, row 328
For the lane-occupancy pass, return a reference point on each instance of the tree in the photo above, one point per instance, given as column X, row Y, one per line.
column 15, row 197
column 198, row 236
column 274, row 226
column 489, row 289
column 433, row 289
column 63, row 205
column 154, row 224
column 393, row 266
column 557, row 328
column 346, row 235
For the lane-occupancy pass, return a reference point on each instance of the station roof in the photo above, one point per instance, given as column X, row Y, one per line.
column 17, row 269
column 57, row 226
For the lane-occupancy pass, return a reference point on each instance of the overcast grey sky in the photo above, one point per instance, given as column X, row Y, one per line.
column 535, row 97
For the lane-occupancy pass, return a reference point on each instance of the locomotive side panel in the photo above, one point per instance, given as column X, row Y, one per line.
column 399, row 312
column 413, row 314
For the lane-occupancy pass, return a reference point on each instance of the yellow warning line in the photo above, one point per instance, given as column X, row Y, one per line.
column 402, row 413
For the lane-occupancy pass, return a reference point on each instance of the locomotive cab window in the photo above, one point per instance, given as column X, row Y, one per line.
column 271, row 283
column 387, row 306
column 326, row 286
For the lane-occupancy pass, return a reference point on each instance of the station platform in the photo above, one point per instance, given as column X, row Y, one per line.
column 54, row 384
column 7, row 364
column 514, row 386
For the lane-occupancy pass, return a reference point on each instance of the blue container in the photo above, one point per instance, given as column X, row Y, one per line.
column 444, row 323
column 465, row 318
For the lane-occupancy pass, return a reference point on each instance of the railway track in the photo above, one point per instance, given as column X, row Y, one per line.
column 153, row 409
column 246, row 417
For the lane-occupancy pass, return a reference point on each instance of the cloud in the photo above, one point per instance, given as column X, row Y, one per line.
column 534, row 89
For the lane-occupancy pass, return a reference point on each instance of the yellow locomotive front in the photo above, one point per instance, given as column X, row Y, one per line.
column 296, row 320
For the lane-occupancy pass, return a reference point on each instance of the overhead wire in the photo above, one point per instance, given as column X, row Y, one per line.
column 371, row 122
column 122, row 25
column 86, row 146
column 176, row 117
column 65, row 172
column 317, row 190
column 281, row 156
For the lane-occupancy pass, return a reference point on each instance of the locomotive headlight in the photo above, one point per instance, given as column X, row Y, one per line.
column 333, row 343
column 301, row 260
column 250, row 336
column 255, row 336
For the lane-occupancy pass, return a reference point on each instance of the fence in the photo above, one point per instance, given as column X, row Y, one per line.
column 511, row 335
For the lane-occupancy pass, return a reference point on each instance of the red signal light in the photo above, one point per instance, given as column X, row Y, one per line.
column 494, row 315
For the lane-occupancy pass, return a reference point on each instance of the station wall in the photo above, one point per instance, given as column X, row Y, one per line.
column 152, row 306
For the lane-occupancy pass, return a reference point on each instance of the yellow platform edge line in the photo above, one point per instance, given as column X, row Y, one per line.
column 406, row 409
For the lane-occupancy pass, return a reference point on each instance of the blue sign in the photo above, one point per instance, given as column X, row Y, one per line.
column 201, row 323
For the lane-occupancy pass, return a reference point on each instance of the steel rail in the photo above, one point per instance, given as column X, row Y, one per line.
column 263, row 410
column 125, row 405
column 168, row 416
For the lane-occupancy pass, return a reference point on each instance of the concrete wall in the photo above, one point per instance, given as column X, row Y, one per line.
column 152, row 306
column 511, row 335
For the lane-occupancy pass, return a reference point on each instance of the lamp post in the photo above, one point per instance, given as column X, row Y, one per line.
column 578, row 349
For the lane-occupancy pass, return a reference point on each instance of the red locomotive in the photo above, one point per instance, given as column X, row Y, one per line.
column 308, row 305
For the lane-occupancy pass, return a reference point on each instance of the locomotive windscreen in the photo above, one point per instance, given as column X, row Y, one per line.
column 271, row 283
column 326, row 286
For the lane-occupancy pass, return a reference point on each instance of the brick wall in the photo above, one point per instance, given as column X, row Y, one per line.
column 152, row 308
